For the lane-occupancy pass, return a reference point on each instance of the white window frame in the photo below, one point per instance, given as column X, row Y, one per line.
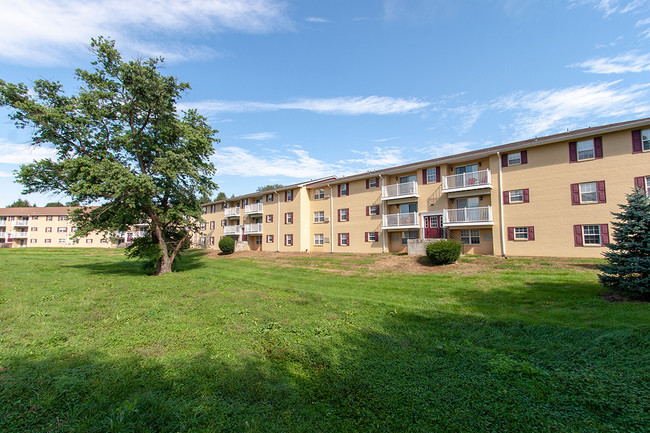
column 371, row 237
column 647, row 185
column 288, row 240
column 290, row 195
column 583, row 187
column 345, row 240
column 587, row 146
column 319, row 217
column 517, row 196
column 645, row 140
column 344, row 189
column 61, row 229
column 89, row 241
column 61, row 240
column 288, row 218
column 373, row 182
column 48, row 229
column 203, row 240
column 373, row 210
column 410, row 234
column 345, row 214
column 514, row 158
column 204, row 225
column 521, row 233
column 63, row 218
column 588, row 230
column 431, row 175
column 319, row 239
column 32, row 241
column 48, row 218
column 258, row 240
column 471, row 236
column 48, row 241
column 319, row 194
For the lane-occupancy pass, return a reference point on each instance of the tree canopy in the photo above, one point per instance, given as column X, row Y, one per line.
column 54, row 204
column 20, row 203
column 121, row 144
column 269, row 187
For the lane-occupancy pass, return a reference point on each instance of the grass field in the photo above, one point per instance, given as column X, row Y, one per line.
column 316, row 344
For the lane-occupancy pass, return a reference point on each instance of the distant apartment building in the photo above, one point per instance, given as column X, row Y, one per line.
column 51, row 227
column 547, row 196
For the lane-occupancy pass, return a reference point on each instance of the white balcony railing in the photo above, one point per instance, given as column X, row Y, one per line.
column 3, row 223
column 401, row 220
column 232, row 211
column 253, row 208
column 399, row 190
column 20, row 223
column 231, row 230
column 467, row 216
column 20, row 235
column 251, row 229
column 473, row 180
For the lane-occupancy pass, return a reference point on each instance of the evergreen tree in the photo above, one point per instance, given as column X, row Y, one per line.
column 627, row 271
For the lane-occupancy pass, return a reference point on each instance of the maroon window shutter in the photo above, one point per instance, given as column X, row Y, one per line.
column 438, row 174
column 575, row 193
column 524, row 157
column 506, row 197
column 339, row 215
column 504, row 160
column 604, row 234
column 367, row 183
column 531, row 233
column 600, row 188
column 339, row 239
column 526, row 196
column 511, row 233
column 598, row 147
column 573, row 152
column 637, row 144
column 348, row 238
column 347, row 189
column 286, row 196
column 367, row 210
column 424, row 176
column 377, row 181
column 639, row 182
column 347, row 214
column 339, row 190
column 366, row 236
column 376, row 236
column 377, row 209
column 577, row 235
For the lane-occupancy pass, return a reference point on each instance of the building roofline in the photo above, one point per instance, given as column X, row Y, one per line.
column 39, row 211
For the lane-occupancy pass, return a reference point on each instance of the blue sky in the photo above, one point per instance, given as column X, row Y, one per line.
column 304, row 89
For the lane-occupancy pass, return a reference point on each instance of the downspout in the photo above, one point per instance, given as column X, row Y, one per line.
column 331, row 219
column 277, row 241
column 503, row 236
column 383, row 212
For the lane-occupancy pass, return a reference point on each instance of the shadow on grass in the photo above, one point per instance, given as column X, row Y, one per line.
column 409, row 372
column 189, row 260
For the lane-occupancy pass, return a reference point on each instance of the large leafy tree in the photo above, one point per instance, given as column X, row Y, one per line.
column 121, row 144
column 627, row 270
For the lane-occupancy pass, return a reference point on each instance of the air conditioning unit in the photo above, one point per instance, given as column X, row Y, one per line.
column 326, row 219
column 326, row 240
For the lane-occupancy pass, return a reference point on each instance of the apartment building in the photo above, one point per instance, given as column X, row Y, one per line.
column 51, row 227
column 547, row 196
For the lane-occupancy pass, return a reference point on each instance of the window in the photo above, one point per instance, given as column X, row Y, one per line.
column 63, row 218
column 645, row 140
column 288, row 218
column 372, row 236
column 202, row 240
column 344, row 189
column 269, row 218
column 372, row 210
column 372, row 183
column 288, row 240
column 205, row 209
column 103, row 241
column 75, row 241
column 212, row 224
column 288, row 195
column 89, row 241
column 212, row 208
column 521, row 232
column 470, row 237
column 212, row 240
column 591, row 235
column 588, row 192
column 319, row 217
column 514, row 158
column 35, row 217
column 62, row 229
column 586, row 149
column 34, row 229
column 48, row 229
column 224, row 205
column 269, row 239
column 409, row 235
column 344, row 239
column 269, row 197
column 344, row 214
column 32, row 241
column 48, row 218
column 471, row 168
column 48, row 241
column 203, row 226
column 517, row 196
column 319, row 194
column 432, row 175
column 258, row 240
column 61, row 240
column 318, row 239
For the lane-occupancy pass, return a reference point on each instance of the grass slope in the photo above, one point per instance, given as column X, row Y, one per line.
column 90, row 344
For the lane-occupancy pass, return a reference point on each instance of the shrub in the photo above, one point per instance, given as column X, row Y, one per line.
column 627, row 271
column 444, row 252
column 227, row 245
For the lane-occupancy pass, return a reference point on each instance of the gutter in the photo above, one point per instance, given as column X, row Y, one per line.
column 331, row 219
column 277, row 242
column 383, row 212
column 503, row 236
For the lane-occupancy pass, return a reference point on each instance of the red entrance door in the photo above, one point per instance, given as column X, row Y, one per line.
column 433, row 226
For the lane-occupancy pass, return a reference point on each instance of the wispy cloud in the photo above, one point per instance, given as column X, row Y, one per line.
column 553, row 110
column 11, row 153
column 437, row 150
column 632, row 61
column 258, row 136
column 343, row 105
column 611, row 7
column 50, row 31
column 381, row 140
column 378, row 157
column 610, row 44
column 316, row 20
column 5, row 174
column 294, row 163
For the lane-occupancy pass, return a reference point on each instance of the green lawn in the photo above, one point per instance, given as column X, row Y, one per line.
column 90, row 344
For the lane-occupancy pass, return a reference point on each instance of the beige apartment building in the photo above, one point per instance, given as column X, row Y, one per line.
column 547, row 196
column 51, row 227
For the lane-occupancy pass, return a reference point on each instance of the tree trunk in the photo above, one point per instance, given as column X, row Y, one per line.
column 164, row 265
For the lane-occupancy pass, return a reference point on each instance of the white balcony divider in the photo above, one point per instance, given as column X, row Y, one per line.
column 20, row 223
column 467, row 215
column 398, row 190
column 232, row 211
column 467, row 180
column 253, row 228
column 253, row 208
column 400, row 220
column 231, row 230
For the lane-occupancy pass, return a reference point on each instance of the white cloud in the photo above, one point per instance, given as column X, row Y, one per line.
column 611, row 7
column 610, row 44
column 11, row 153
column 5, row 174
column 439, row 150
column 378, row 157
column 632, row 61
column 381, row 140
column 554, row 110
column 49, row 31
column 344, row 105
column 258, row 136
column 294, row 163
column 316, row 20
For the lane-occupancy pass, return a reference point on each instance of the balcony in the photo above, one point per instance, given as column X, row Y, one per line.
column 232, row 212
column 399, row 190
column 3, row 223
column 400, row 221
column 20, row 235
column 232, row 230
column 467, row 181
column 467, row 217
column 252, row 209
column 20, row 223
column 253, row 229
